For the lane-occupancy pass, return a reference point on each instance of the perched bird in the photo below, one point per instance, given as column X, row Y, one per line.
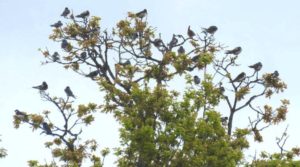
column 196, row 80
column 181, row 50
column 57, row 24
column 69, row 92
column 41, row 87
column 141, row 14
column 157, row 42
column 83, row 14
column 211, row 30
column 256, row 66
column 134, row 36
column 222, row 89
column 190, row 32
column 195, row 58
column 127, row 62
column 21, row 115
column 224, row 120
column 66, row 12
column 236, row 51
column 240, row 77
column 55, row 57
column 64, row 44
column 83, row 55
column 275, row 74
column 47, row 128
column 173, row 41
column 92, row 74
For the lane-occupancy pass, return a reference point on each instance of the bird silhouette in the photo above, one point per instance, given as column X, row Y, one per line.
column 55, row 57
column 181, row 50
column 190, row 32
column 83, row 14
column 256, row 66
column 157, row 42
column 236, row 51
column 196, row 80
column 92, row 74
column 173, row 41
column 141, row 14
column 211, row 30
column 42, row 87
column 240, row 77
column 66, row 12
column 21, row 115
column 275, row 74
column 64, row 44
column 47, row 128
column 69, row 92
column 127, row 62
column 224, row 120
column 57, row 24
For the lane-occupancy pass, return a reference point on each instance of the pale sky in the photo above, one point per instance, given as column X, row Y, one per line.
column 268, row 31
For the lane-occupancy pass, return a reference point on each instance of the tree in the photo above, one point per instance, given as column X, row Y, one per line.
column 160, row 126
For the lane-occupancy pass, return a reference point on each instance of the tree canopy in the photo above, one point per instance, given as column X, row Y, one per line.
column 135, row 66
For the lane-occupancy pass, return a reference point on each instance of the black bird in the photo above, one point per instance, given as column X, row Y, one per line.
column 195, row 58
column 173, row 41
column 66, row 12
column 141, row 14
column 236, row 51
column 64, row 44
column 157, row 42
column 190, row 32
column 41, row 87
column 83, row 14
column 224, row 120
column 92, row 74
column 69, row 92
column 181, row 50
column 83, row 55
column 275, row 74
column 127, row 62
column 55, row 57
column 256, row 66
column 240, row 77
column 47, row 128
column 196, row 80
column 57, row 24
column 211, row 30
column 21, row 115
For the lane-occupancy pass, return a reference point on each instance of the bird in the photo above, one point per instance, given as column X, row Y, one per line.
column 47, row 128
column 195, row 58
column 21, row 115
column 190, row 32
column 141, row 14
column 236, row 51
column 210, row 30
column 181, row 50
column 173, row 41
column 55, row 56
column 69, row 92
column 92, row 74
column 157, row 42
column 66, row 12
column 83, row 55
column 57, row 24
column 196, row 80
column 222, row 89
column 64, row 44
column 127, row 62
column 42, row 87
column 256, row 66
column 275, row 74
column 240, row 77
column 83, row 14
column 224, row 120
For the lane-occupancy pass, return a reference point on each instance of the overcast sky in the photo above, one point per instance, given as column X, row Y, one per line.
column 268, row 31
